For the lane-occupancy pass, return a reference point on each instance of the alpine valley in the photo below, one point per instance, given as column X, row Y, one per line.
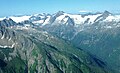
column 60, row 43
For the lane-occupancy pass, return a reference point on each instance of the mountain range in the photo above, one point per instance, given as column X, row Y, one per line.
column 60, row 43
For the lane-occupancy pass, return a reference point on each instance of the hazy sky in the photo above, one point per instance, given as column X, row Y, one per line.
column 17, row 7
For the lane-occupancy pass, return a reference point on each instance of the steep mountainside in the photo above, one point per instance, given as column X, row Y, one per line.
column 28, row 50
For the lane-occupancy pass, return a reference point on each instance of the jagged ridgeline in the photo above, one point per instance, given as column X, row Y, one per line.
column 34, row 51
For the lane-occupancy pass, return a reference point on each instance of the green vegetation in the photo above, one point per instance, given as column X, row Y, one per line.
column 43, row 53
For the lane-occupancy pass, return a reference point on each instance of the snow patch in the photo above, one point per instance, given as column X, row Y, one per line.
column 3, row 36
column 2, row 18
column 20, row 19
column 7, row 46
column 38, row 22
column 46, row 21
column 113, row 18
column 78, row 19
